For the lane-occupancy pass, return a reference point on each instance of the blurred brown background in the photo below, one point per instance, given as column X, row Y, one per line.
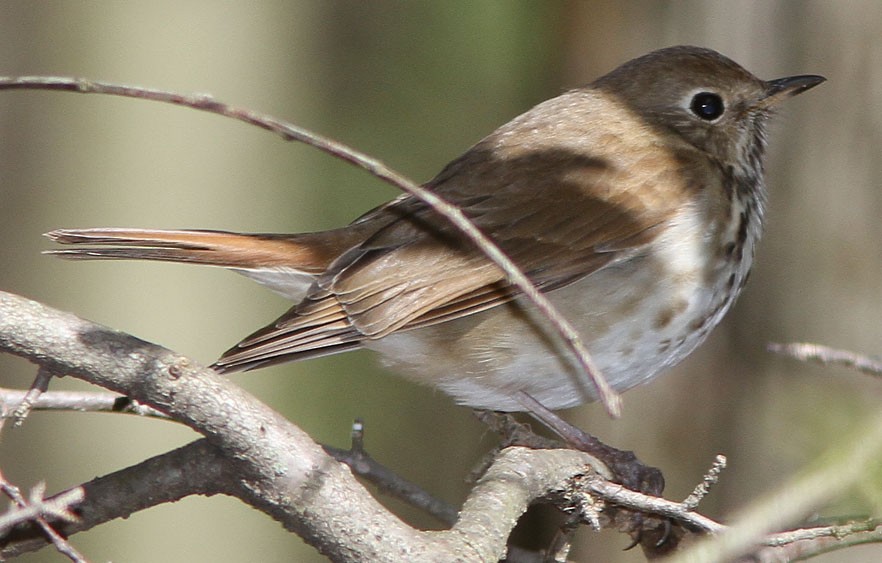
column 415, row 83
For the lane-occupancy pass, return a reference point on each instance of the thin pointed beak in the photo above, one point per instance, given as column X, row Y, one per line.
column 783, row 88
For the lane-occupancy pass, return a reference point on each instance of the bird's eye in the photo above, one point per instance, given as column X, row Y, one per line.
column 707, row 105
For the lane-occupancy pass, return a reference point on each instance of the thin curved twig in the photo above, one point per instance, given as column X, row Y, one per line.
column 591, row 375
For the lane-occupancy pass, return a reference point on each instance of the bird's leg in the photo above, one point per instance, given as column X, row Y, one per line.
column 626, row 468
column 655, row 536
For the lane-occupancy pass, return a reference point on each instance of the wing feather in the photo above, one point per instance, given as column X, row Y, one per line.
column 417, row 271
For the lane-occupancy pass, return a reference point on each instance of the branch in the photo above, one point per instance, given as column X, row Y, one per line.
column 359, row 460
column 847, row 465
column 81, row 401
column 254, row 454
column 362, row 464
column 262, row 458
column 825, row 355
column 618, row 495
column 38, row 506
column 38, row 387
column 197, row 468
column 296, row 481
column 591, row 375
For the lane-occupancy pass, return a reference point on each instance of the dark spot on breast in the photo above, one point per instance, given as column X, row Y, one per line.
column 665, row 316
column 663, row 319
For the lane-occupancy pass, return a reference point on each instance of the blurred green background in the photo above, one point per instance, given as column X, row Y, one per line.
column 415, row 83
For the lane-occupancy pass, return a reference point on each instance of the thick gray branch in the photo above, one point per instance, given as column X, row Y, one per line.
column 276, row 466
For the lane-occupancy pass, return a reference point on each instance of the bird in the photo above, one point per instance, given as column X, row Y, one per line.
column 634, row 203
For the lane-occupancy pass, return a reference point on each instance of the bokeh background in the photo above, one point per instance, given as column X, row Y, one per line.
column 415, row 83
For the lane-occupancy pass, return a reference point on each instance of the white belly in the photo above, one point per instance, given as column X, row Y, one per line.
column 637, row 318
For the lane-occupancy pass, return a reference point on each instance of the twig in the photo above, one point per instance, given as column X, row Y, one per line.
column 779, row 509
column 810, row 542
column 590, row 374
column 829, row 356
column 197, row 468
column 37, row 506
column 710, row 479
column 82, row 401
column 38, row 387
column 839, row 531
column 619, row 495
column 38, row 509
column 363, row 465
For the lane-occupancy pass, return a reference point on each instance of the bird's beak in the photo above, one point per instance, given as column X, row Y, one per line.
column 784, row 88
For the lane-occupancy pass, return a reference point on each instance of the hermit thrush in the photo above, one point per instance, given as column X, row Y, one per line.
column 635, row 203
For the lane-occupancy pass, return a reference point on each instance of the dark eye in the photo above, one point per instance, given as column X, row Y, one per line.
column 707, row 105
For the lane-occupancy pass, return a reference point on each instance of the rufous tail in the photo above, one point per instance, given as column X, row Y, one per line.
column 310, row 253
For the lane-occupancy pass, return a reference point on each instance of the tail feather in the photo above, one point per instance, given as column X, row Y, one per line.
column 287, row 264
column 216, row 248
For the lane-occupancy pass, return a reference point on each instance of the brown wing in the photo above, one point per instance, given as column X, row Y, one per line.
column 572, row 216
